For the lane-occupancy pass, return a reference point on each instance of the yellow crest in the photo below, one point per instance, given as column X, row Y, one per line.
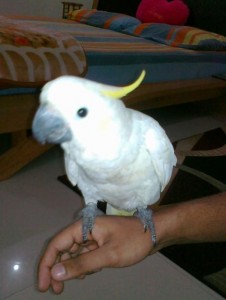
column 118, row 92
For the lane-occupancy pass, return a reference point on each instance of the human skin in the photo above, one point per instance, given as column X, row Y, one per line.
column 118, row 242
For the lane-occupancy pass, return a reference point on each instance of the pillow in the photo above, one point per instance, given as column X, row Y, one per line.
column 103, row 19
column 179, row 36
column 173, row 12
column 31, row 57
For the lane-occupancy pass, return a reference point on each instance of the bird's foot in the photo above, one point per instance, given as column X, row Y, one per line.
column 89, row 214
column 146, row 217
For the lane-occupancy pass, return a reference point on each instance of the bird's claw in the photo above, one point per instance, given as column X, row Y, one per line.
column 89, row 214
column 146, row 217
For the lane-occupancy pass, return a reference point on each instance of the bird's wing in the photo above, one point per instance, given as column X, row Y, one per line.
column 71, row 169
column 161, row 151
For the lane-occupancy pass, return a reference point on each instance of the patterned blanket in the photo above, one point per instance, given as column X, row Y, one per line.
column 30, row 55
column 114, row 55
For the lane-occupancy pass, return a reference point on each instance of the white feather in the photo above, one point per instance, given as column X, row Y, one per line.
column 117, row 154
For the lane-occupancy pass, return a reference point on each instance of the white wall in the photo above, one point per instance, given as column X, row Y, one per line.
column 50, row 8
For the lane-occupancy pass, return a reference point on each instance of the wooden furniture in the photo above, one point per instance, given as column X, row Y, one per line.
column 15, row 120
column 68, row 7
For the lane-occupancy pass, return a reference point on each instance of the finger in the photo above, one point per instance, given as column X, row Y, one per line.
column 84, row 264
column 78, row 249
column 62, row 242
column 90, row 246
column 57, row 286
column 65, row 256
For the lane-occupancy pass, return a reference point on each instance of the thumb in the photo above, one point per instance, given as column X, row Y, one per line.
column 80, row 266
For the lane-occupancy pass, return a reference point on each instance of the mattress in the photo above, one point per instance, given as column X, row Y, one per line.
column 118, row 57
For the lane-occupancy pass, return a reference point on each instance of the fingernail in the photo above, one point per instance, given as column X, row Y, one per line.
column 58, row 271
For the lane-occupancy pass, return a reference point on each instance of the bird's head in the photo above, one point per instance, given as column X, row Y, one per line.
column 73, row 108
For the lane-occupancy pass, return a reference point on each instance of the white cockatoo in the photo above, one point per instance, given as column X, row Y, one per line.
column 112, row 153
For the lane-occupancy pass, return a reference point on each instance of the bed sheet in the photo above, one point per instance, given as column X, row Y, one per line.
column 118, row 58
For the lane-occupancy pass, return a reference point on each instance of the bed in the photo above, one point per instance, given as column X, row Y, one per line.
column 108, row 46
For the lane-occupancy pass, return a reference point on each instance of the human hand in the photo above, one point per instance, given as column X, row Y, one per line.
column 120, row 241
column 114, row 242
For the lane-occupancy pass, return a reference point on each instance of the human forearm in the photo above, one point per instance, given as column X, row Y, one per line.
column 120, row 242
column 201, row 220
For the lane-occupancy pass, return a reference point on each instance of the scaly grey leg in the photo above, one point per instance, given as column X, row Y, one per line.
column 89, row 214
column 145, row 215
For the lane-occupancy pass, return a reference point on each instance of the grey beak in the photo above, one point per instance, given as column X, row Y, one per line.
column 49, row 126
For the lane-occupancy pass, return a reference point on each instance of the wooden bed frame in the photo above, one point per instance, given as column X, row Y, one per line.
column 17, row 111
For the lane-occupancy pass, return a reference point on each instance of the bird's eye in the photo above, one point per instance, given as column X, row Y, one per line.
column 82, row 112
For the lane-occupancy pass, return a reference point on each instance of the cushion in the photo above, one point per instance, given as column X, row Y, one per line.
column 179, row 36
column 103, row 19
column 31, row 57
column 209, row 15
column 173, row 12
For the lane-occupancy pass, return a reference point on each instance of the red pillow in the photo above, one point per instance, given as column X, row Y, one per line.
column 174, row 12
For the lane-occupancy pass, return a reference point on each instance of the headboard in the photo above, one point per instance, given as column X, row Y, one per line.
column 206, row 14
